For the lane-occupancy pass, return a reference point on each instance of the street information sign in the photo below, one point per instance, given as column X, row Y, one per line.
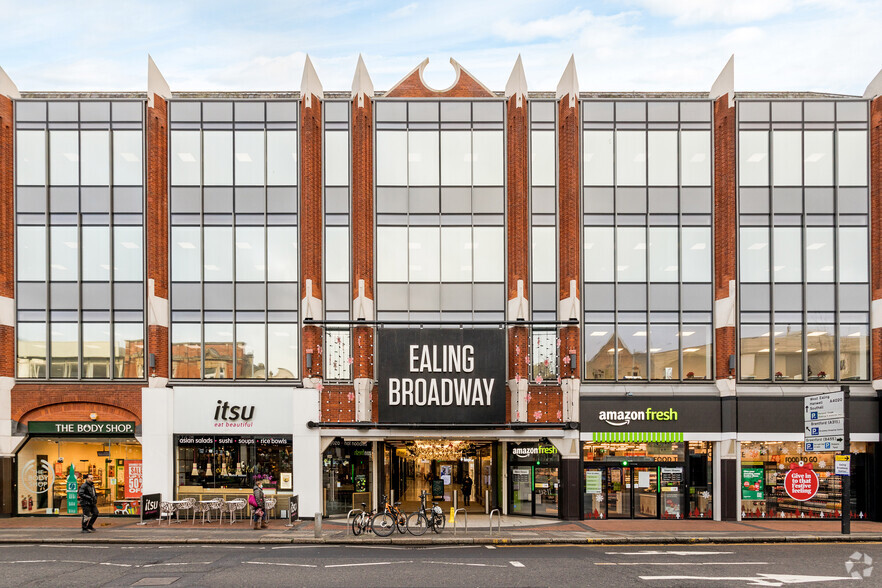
column 825, row 422
column 842, row 465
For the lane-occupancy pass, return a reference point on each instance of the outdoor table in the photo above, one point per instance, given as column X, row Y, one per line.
column 178, row 504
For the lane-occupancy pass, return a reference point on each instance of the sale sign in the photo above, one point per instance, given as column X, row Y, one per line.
column 134, row 478
column 801, row 482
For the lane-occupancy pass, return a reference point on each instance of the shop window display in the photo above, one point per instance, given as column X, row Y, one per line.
column 50, row 471
column 764, row 494
column 346, row 476
column 228, row 466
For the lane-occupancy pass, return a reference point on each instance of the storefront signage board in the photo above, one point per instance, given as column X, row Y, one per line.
column 150, row 506
column 245, row 411
column 643, row 415
column 842, row 465
column 671, row 476
column 439, row 376
column 82, row 427
column 824, row 406
column 801, row 483
column 752, row 484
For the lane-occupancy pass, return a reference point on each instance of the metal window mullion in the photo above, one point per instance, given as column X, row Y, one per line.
column 646, row 234
column 79, row 278
column 111, row 253
column 836, row 273
column 679, row 338
column 772, row 281
column 615, row 251
column 48, row 236
column 803, row 241
column 202, row 236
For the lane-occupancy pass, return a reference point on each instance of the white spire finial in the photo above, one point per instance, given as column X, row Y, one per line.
column 725, row 83
column 7, row 86
column 875, row 88
column 517, row 83
column 362, row 86
column 310, row 84
column 156, row 83
column 569, row 83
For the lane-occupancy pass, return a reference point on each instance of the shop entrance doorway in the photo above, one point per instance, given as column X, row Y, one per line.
column 634, row 491
column 448, row 470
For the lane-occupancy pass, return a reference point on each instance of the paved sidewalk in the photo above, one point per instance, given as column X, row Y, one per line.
column 514, row 530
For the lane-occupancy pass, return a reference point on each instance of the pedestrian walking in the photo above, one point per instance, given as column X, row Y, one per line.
column 88, row 499
column 258, row 506
column 467, row 488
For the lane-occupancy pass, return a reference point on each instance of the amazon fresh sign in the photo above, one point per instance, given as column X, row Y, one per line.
column 651, row 414
column 620, row 418
column 441, row 376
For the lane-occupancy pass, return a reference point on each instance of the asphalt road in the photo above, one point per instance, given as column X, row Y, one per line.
column 353, row 566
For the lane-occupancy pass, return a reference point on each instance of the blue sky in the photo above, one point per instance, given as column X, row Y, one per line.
column 819, row 45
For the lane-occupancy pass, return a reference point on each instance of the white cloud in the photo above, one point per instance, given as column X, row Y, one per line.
column 690, row 12
column 557, row 27
column 404, row 11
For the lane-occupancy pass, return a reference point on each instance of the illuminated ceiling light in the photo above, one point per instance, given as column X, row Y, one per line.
column 70, row 244
column 814, row 246
column 817, row 333
column 640, row 334
column 756, row 157
column 211, row 268
column 827, row 268
column 766, row 350
column 130, row 157
column 598, row 333
column 130, row 245
column 654, row 349
column 687, row 333
column 640, row 246
column 690, row 350
column 814, row 157
column 186, row 245
column 243, row 157
column 71, row 157
column 187, row 157
column 671, row 268
column 243, row 245
column 757, row 246
column 855, row 334
column 698, row 246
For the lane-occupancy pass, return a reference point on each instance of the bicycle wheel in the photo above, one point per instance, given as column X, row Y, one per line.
column 417, row 524
column 439, row 523
column 357, row 524
column 401, row 523
column 383, row 524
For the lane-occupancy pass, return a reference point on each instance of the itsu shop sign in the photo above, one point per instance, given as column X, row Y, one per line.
column 801, row 482
column 437, row 376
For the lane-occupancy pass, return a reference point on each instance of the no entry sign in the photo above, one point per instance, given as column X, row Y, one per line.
column 801, row 482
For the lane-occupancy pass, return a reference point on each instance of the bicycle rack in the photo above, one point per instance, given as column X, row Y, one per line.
column 498, row 521
column 456, row 512
column 355, row 511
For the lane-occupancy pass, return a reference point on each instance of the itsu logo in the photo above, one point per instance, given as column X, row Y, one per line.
column 233, row 416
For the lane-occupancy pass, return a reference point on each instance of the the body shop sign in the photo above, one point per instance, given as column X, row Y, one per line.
column 441, row 375
column 801, row 482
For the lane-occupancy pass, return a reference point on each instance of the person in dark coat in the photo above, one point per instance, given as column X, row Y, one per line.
column 88, row 499
column 258, row 509
column 467, row 488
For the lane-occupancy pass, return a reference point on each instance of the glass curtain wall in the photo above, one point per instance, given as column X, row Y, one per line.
column 647, row 240
column 803, row 240
column 338, row 226
column 234, row 239
column 80, row 239
column 543, row 237
column 440, row 210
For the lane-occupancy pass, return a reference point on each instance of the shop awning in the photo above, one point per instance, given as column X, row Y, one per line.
column 636, row 437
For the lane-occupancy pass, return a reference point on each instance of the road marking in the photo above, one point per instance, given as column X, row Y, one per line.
column 271, row 563
column 758, row 580
column 490, row 546
column 669, row 552
column 179, row 563
column 516, row 564
column 685, row 563
column 99, row 563
column 78, row 546
column 457, row 563
column 373, row 563
column 297, row 546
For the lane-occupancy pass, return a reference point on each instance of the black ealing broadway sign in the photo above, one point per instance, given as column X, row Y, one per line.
column 438, row 376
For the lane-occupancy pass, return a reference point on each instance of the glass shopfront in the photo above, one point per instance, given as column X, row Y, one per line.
column 346, row 476
column 51, row 469
column 766, row 492
column 228, row 466
column 647, row 480
column 534, row 479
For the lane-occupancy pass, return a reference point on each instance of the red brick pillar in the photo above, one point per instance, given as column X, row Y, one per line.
column 569, row 248
column 7, row 246
column 363, row 241
column 725, row 228
column 311, row 231
column 876, row 235
column 157, row 242
column 518, row 242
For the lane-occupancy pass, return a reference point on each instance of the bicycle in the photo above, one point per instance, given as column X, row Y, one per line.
column 420, row 521
column 385, row 522
column 362, row 520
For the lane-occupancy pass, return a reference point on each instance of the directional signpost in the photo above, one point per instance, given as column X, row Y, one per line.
column 826, row 429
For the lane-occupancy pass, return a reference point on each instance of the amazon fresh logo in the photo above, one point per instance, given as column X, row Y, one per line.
column 620, row 418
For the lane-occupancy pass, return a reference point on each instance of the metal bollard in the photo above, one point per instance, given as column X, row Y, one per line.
column 466, row 514
column 498, row 521
column 486, row 501
column 318, row 525
column 455, row 501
